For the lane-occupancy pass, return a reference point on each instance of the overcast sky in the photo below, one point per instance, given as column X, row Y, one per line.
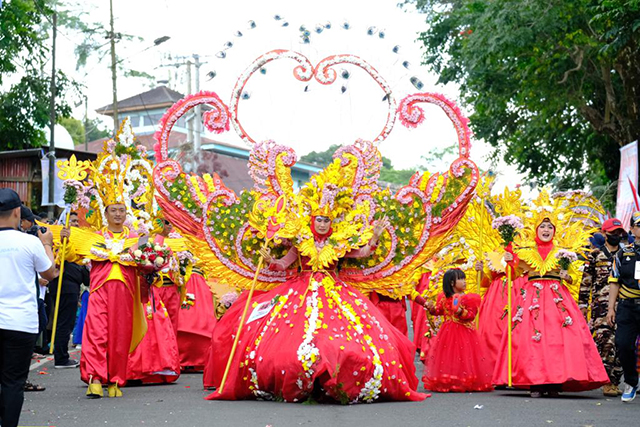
column 278, row 107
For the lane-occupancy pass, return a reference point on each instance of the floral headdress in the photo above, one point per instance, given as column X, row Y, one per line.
column 121, row 174
column 328, row 194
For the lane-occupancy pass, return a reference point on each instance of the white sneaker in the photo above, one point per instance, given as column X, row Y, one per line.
column 629, row 393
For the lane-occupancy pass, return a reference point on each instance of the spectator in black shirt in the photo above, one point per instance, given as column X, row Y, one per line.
column 74, row 275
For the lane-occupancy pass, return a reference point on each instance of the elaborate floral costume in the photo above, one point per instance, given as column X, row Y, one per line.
column 311, row 330
column 116, row 322
column 552, row 344
column 458, row 359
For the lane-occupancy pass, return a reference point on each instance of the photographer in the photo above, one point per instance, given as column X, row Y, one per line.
column 21, row 256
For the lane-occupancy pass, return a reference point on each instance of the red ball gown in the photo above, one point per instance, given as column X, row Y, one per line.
column 552, row 344
column 458, row 360
column 312, row 336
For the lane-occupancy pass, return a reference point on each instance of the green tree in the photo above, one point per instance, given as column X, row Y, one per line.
column 96, row 130
column 554, row 84
column 75, row 129
column 24, row 104
column 387, row 173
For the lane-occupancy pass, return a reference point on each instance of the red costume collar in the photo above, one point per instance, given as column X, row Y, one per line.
column 544, row 247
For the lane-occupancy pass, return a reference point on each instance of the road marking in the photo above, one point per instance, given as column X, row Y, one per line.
column 38, row 363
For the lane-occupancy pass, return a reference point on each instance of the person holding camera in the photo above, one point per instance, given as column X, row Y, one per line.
column 21, row 257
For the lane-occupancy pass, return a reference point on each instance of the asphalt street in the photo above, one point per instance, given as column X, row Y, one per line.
column 63, row 403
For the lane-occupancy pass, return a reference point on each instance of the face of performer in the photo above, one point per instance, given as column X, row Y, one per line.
column 322, row 224
column 116, row 215
column 73, row 220
column 167, row 228
column 460, row 285
column 546, row 231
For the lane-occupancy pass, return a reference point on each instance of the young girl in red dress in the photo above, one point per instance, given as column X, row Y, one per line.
column 458, row 361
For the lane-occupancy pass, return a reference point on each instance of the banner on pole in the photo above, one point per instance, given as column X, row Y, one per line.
column 625, row 202
column 59, row 189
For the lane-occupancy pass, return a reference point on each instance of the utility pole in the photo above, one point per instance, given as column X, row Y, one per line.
column 189, row 122
column 114, row 72
column 198, row 109
column 52, row 145
column 86, row 124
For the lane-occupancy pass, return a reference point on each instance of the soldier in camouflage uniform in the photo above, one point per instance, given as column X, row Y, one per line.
column 594, row 292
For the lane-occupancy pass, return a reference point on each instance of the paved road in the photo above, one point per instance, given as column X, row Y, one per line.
column 182, row 404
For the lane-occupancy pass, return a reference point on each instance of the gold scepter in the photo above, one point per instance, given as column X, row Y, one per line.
column 479, row 272
column 69, row 170
column 272, row 227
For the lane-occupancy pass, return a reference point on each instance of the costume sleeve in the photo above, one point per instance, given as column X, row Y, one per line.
column 586, row 285
column 283, row 263
column 362, row 252
column 438, row 310
column 470, row 304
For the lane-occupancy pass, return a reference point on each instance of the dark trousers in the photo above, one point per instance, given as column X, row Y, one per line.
column 66, row 322
column 628, row 329
column 15, row 358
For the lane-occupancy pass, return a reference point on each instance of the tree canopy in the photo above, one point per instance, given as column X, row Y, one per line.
column 24, row 105
column 554, row 85
column 387, row 173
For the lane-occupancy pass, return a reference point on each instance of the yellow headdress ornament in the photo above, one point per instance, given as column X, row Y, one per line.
column 121, row 174
column 329, row 193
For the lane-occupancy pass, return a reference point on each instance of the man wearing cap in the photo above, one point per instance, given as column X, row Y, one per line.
column 594, row 291
column 21, row 256
column 624, row 285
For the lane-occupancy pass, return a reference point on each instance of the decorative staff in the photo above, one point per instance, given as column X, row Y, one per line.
column 71, row 169
column 267, row 226
column 507, row 226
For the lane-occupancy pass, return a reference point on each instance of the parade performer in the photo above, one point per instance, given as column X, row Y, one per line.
column 552, row 348
column 493, row 278
column 312, row 333
column 197, row 311
column 458, row 359
column 594, row 293
column 169, row 288
column 115, row 189
column 394, row 309
column 624, row 308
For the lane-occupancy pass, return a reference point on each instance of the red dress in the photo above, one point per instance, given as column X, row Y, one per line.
column 108, row 328
column 492, row 319
column 458, row 361
column 418, row 315
column 156, row 358
column 552, row 343
column 197, row 320
column 312, row 336
column 393, row 309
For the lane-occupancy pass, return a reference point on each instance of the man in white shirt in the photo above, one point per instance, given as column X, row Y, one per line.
column 22, row 256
